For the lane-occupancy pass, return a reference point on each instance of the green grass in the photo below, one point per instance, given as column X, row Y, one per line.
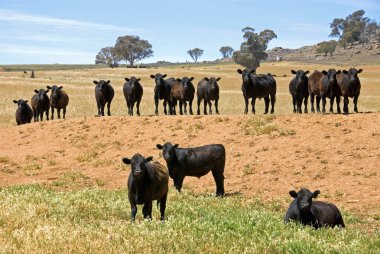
column 36, row 219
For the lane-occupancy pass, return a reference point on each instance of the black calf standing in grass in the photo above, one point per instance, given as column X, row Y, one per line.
column 314, row 213
column 133, row 92
column 103, row 94
column 298, row 88
column 147, row 182
column 197, row 161
column 24, row 112
column 40, row 104
column 59, row 100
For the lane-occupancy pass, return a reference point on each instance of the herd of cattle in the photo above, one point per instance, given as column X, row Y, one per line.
column 149, row 181
column 330, row 84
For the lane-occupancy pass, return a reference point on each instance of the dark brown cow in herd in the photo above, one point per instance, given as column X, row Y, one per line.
column 133, row 92
column 59, row 100
column 208, row 90
column 298, row 88
column 40, row 104
column 349, row 84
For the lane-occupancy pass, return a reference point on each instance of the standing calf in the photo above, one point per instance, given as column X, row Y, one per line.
column 59, row 100
column 208, row 90
column 40, row 104
column 147, row 182
column 103, row 94
column 197, row 161
column 162, row 91
column 349, row 84
column 314, row 213
column 133, row 92
column 298, row 88
column 24, row 112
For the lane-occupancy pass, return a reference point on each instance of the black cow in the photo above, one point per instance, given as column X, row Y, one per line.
column 59, row 99
column 349, row 84
column 162, row 91
column 298, row 88
column 24, row 112
column 133, row 92
column 103, row 94
column 324, row 85
column 187, row 93
column 208, row 90
column 147, row 182
column 314, row 213
column 256, row 87
column 40, row 104
column 197, row 161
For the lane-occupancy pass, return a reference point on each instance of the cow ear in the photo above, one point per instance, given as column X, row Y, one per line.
column 108, row 81
column 218, row 79
column 360, row 70
column 15, row 101
column 26, row 101
column 59, row 87
column 338, row 72
column 179, row 80
column 345, row 72
column 252, row 71
column 138, row 79
column 316, row 193
column 206, row 79
column 36, row 91
column 307, row 72
column 159, row 146
column 96, row 82
column 191, row 79
column 293, row 194
column 324, row 72
column 127, row 161
column 176, row 146
column 48, row 87
column 239, row 71
column 47, row 91
column 152, row 76
column 127, row 79
column 293, row 71
column 164, row 76
column 148, row 159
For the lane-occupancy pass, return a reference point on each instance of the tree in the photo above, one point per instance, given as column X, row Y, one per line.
column 107, row 56
column 195, row 53
column 226, row 51
column 326, row 47
column 252, row 50
column 132, row 49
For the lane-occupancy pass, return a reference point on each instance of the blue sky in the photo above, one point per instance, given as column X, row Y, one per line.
column 46, row 32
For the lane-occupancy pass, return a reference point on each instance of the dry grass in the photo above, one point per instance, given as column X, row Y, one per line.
column 78, row 83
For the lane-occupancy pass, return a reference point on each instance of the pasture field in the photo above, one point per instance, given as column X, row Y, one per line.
column 63, row 185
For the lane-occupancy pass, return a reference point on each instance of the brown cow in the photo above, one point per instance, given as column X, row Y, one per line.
column 349, row 84
column 177, row 92
column 324, row 84
column 59, row 100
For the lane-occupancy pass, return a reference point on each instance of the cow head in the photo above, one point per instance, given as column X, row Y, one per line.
column 331, row 76
column 168, row 151
column 42, row 94
column 186, row 82
column 138, row 168
column 20, row 103
column 352, row 74
column 304, row 198
column 101, row 84
column 212, row 83
column 55, row 91
column 245, row 74
column 133, row 81
column 301, row 77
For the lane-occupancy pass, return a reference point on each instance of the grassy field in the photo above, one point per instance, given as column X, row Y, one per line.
column 34, row 219
column 78, row 83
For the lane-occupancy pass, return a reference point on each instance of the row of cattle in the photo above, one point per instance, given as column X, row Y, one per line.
column 148, row 181
column 330, row 84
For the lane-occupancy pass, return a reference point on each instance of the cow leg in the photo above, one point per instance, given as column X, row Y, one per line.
column 205, row 107
column 356, row 103
column 305, row 102
column 199, row 104
column 35, row 116
column 338, row 104
column 272, row 101
column 99, row 109
column 132, row 106
column 133, row 211
column 219, row 181
column 331, row 105
column 294, row 104
column 246, row 104
column 108, row 109
column 41, row 116
column 191, row 107
column 156, row 104
column 345, row 104
column 58, row 113
column 253, row 105
column 324, row 105
column 266, row 100
column 312, row 103
column 318, row 100
column 210, row 107
column 184, row 107
column 299, row 105
column 52, row 113
column 173, row 106
column 64, row 113
column 129, row 108
column 147, row 210
column 180, row 107
column 178, row 181
column 163, row 206
column 138, row 107
column 217, row 106
column 165, row 112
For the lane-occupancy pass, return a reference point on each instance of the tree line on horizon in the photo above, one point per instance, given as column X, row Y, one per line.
column 354, row 28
